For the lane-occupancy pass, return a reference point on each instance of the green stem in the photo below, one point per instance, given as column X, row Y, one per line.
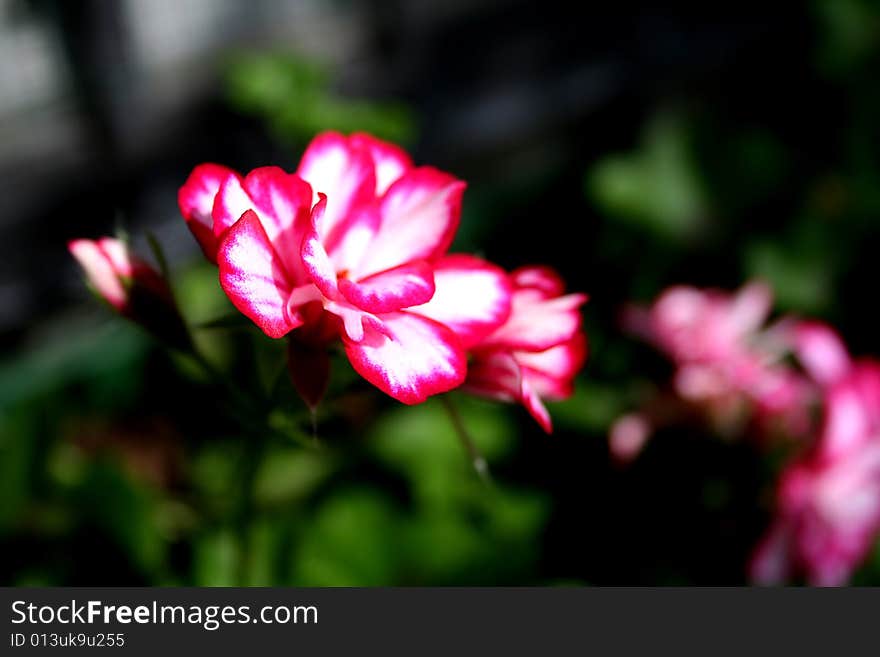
column 254, row 453
column 477, row 460
column 253, row 421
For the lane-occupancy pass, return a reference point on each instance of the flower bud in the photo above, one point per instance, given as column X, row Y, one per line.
column 131, row 286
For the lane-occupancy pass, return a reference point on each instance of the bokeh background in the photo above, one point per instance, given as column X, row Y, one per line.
column 630, row 147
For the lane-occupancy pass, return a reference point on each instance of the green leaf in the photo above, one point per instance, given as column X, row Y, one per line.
column 289, row 475
column 216, row 559
column 295, row 97
column 592, row 407
column 230, row 321
column 421, row 443
column 351, row 541
column 126, row 512
column 655, row 187
column 801, row 280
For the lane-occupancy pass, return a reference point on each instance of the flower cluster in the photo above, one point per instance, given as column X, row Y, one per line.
column 353, row 248
column 828, row 499
column 729, row 367
column 773, row 381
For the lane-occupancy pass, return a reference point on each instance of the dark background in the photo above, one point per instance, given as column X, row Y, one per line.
column 630, row 147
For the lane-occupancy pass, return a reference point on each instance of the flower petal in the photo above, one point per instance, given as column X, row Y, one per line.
column 532, row 401
column 847, row 424
column 771, row 563
column 537, row 323
column 749, row 307
column 254, row 279
column 551, row 373
column 821, row 351
column 120, row 257
column 408, row 285
column 411, row 358
column 196, row 202
column 100, row 272
column 539, row 277
column 283, row 203
column 495, row 375
column 420, row 214
column 354, row 236
column 333, row 166
column 472, row 297
column 390, row 161
column 628, row 436
column 317, row 263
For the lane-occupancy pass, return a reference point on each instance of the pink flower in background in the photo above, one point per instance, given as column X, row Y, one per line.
column 704, row 326
column 132, row 287
column 819, row 350
column 536, row 353
column 113, row 272
column 718, row 343
column 728, row 364
column 828, row 503
column 628, row 435
column 348, row 247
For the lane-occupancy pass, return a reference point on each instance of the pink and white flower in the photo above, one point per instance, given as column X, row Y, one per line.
column 196, row 202
column 828, row 503
column 113, row 272
column 348, row 247
column 535, row 354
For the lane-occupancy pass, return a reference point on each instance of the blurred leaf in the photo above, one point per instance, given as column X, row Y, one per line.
column 461, row 544
column 126, row 512
column 199, row 293
column 800, row 279
column 592, row 407
column 294, row 95
column 17, row 446
column 288, row 475
column 352, row 541
column 75, row 351
column 263, row 546
column 214, row 468
column 655, row 187
column 231, row 321
column 421, row 443
column 66, row 464
column 158, row 253
column 216, row 559
column 850, row 31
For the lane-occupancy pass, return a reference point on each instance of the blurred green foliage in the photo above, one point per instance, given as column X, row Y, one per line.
column 656, row 187
column 294, row 95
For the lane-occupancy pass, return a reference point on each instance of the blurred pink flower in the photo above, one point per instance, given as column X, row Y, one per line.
column 628, row 436
column 728, row 364
column 536, row 353
column 819, row 350
column 348, row 247
column 828, row 502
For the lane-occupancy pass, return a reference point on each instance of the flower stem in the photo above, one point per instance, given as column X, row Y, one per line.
column 477, row 460
column 254, row 451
